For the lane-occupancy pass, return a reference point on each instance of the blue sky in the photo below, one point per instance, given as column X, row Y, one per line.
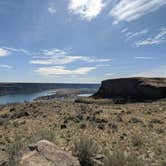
column 81, row 41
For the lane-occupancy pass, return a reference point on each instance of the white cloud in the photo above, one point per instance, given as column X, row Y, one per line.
column 103, row 65
column 157, row 72
column 4, row 52
column 144, row 58
column 87, row 9
column 135, row 34
column 61, row 57
column 6, row 66
column 110, row 74
column 154, row 40
column 129, row 10
column 124, row 30
column 57, row 60
column 52, row 9
column 61, row 70
column 17, row 50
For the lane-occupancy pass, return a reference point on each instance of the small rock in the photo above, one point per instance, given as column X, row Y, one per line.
column 83, row 126
column 135, row 120
column 101, row 126
column 63, row 126
column 12, row 109
column 156, row 121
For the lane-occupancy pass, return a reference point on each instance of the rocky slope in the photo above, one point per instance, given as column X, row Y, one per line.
column 133, row 89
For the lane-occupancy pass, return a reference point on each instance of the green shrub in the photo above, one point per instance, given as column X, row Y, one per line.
column 86, row 149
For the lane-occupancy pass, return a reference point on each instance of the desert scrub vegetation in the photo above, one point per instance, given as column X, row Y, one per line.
column 91, row 100
column 14, row 150
column 3, row 121
column 89, row 154
column 119, row 158
column 44, row 134
column 86, row 150
column 137, row 139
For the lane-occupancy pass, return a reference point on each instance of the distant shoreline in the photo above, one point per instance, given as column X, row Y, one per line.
column 62, row 94
column 12, row 88
column 69, row 94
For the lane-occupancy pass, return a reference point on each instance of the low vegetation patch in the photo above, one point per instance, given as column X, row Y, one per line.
column 14, row 150
column 118, row 158
column 137, row 140
column 86, row 150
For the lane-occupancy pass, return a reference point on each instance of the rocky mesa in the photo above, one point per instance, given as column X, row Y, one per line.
column 133, row 89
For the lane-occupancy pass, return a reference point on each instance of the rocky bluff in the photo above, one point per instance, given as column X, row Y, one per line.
column 133, row 89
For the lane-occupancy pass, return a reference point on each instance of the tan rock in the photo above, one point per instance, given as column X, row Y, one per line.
column 46, row 153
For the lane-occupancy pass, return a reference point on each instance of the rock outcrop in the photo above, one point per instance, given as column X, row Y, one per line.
column 45, row 153
column 133, row 89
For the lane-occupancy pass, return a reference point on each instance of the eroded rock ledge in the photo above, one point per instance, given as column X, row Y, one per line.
column 133, row 89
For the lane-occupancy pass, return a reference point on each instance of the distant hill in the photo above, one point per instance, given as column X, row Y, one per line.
column 133, row 89
column 11, row 88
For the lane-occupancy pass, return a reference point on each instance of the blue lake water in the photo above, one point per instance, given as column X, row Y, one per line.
column 20, row 98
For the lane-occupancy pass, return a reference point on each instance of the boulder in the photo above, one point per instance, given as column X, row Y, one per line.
column 45, row 153
column 132, row 89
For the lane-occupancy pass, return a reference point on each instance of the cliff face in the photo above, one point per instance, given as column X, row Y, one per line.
column 133, row 89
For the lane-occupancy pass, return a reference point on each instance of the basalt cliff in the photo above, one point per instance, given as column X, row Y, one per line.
column 133, row 89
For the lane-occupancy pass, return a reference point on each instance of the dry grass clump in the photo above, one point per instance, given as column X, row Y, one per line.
column 86, row 150
column 14, row 150
column 3, row 121
column 44, row 134
column 119, row 158
column 137, row 140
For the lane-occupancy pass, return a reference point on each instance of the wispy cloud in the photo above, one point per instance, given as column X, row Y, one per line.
column 61, row 57
column 4, row 52
column 87, row 9
column 124, row 30
column 61, row 70
column 154, row 40
column 144, row 58
column 52, row 9
column 127, row 10
column 110, row 74
column 6, row 66
column 156, row 72
column 131, row 35
column 52, row 62
column 11, row 49
column 103, row 65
